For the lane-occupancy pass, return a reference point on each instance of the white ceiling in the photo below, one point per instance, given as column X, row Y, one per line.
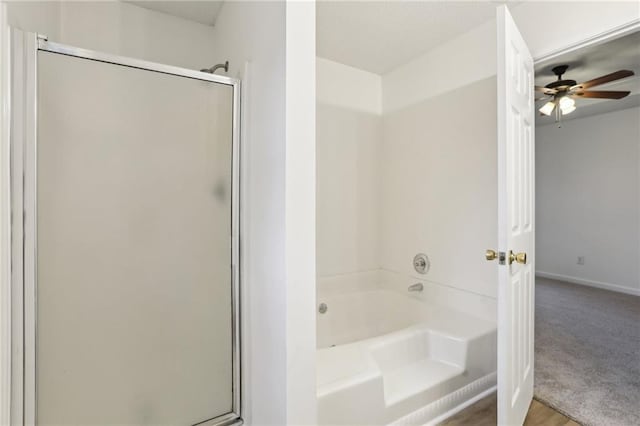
column 376, row 36
column 595, row 61
column 379, row 36
column 203, row 11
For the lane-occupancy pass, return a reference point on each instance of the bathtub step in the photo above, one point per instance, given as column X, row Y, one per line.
column 421, row 376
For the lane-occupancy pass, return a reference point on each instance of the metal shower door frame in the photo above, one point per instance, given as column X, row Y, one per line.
column 23, row 108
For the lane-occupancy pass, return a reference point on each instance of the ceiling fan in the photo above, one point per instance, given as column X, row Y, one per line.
column 561, row 94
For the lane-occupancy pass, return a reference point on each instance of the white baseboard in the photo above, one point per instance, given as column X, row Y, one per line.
column 590, row 283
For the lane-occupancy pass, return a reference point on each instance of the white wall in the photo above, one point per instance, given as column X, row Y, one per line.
column 437, row 164
column 471, row 57
column 5, row 227
column 588, row 200
column 411, row 180
column 439, row 186
column 119, row 28
column 347, row 87
column 382, row 189
column 300, row 213
column 463, row 60
column 42, row 17
column 349, row 134
column 259, row 60
column 278, row 181
column 461, row 63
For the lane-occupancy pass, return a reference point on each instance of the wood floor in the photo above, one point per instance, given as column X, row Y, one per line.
column 483, row 413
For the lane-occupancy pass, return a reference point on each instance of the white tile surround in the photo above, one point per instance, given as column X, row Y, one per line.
column 439, row 187
column 475, row 304
column 413, row 180
column 348, row 190
column 391, row 185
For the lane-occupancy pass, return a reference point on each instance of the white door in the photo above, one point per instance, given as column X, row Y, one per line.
column 515, row 222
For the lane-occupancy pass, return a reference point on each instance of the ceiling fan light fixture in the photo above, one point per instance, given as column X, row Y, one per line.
column 566, row 103
column 563, row 91
column 547, row 108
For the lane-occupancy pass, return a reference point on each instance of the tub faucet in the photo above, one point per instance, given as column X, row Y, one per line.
column 416, row 287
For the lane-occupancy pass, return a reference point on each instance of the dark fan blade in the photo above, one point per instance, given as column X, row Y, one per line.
column 546, row 90
column 603, row 94
column 604, row 79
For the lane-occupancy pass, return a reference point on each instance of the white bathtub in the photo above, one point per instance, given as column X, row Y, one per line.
column 386, row 356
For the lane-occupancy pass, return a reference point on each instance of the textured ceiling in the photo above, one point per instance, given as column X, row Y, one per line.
column 204, row 11
column 378, row 36
column 595, row 61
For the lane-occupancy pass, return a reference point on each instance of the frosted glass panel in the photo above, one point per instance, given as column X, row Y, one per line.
column 134, row 316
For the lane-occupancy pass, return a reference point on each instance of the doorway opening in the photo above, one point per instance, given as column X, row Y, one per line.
column 621, row 305
column 587, row 342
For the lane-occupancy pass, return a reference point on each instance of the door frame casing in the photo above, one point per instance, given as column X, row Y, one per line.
column 612, row 34
column 21, row 117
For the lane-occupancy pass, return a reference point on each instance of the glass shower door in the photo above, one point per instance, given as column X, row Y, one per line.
column 134, row 242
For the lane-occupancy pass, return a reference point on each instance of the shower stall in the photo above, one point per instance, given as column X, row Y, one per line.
column 125, row 239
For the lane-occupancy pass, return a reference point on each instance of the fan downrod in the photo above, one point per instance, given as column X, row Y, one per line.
column 559, row 70
column 560, row 84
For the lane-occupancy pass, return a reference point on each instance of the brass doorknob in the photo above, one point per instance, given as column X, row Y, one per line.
column 491, row 255
column 517, row 257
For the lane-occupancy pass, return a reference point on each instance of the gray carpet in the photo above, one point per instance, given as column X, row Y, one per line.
column 587, row 353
